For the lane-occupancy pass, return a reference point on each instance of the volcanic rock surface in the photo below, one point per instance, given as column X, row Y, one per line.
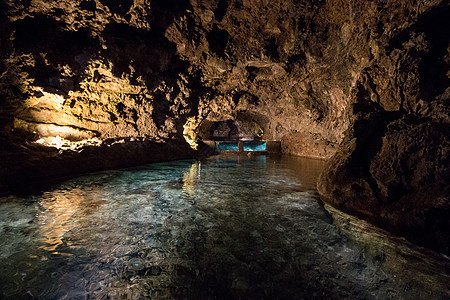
column 361, row 83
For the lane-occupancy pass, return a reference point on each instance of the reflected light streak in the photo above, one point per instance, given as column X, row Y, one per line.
column 57, row 219
column 189, row 180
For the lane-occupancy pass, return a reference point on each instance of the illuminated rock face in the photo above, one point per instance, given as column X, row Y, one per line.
column 365, row 81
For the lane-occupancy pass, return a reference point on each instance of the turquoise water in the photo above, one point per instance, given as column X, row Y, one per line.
column 254, row 146
column 227, row 146
column 228, row 227
column 248, row 146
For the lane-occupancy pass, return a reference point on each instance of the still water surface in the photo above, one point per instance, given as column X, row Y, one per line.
column 228, row 227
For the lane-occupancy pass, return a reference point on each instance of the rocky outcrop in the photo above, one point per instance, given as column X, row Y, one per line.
column 362, row 83
column 80, row 66
column 82, row 75
column 393, row 166
column 392, row 170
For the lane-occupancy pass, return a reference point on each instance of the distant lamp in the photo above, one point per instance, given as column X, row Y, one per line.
column 260, row 133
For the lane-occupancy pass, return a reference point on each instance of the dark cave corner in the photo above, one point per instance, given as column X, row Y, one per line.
column 392, row 167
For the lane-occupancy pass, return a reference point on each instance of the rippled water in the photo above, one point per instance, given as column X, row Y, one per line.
column 228, row 227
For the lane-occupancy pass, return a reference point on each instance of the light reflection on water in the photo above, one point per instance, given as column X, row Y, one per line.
column 228, row 227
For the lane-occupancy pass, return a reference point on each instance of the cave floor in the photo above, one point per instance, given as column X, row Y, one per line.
column 228, row 227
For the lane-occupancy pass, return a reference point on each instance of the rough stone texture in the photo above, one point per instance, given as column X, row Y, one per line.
column 73, row 77
column 364, row 80
column 393, row 166
column 393, row 171
column 142, row 67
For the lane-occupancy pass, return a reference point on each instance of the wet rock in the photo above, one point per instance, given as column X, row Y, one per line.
column 394, row 174
column 392, row 167
column 155, row 270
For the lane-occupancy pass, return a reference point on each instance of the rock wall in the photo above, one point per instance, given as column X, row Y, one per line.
column 96, row 67
column 89, row 69
column 393, row 166
column 362, row 83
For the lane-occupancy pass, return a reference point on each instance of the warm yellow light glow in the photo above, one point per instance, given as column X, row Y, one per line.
column 54, row 221
column 44, row 99
column 63, row 144
column 189, row 134
column 191, row 142
column 260, row 133
column 189, row 180
column 57, row 142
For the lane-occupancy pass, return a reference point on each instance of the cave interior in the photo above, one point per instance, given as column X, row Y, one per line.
column 92, row 85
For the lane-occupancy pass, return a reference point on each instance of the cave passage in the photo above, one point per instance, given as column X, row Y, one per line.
column 247, row 146
column 227, row 146
column 229, row 227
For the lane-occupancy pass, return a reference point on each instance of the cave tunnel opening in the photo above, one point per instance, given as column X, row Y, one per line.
column 245, row 133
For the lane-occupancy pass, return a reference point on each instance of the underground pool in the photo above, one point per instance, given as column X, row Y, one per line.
column 228, row 227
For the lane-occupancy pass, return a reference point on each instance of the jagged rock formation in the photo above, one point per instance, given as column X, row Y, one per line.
column 370, row 76
column 393, row 166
